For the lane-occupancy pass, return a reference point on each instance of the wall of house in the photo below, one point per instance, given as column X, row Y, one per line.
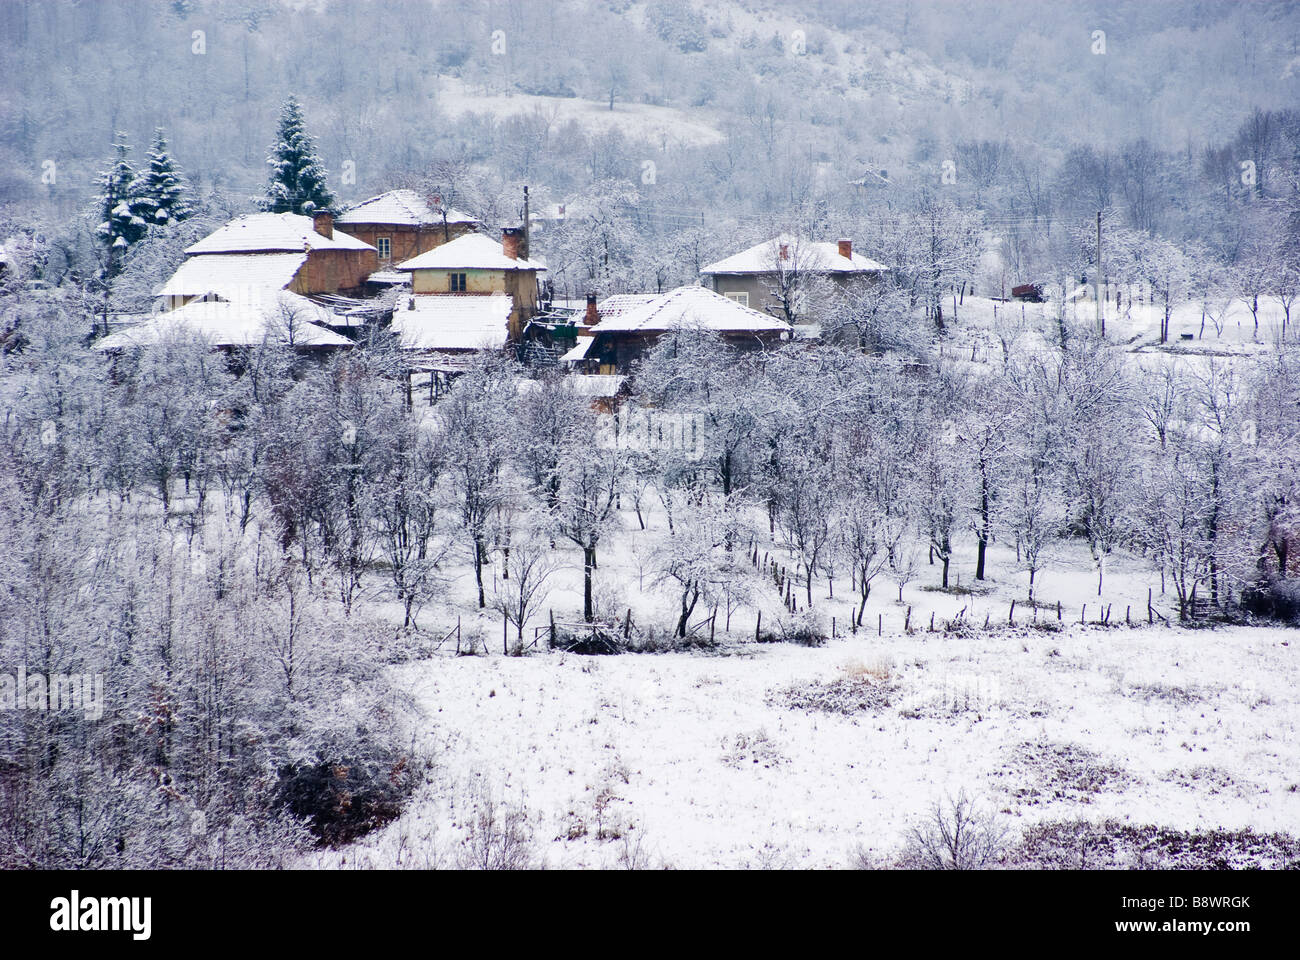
column 618, row 352
column 476, row 281
column 751, row 284
column 334, row 271
column 406, row 241
column 521, row 285
column 759, row 287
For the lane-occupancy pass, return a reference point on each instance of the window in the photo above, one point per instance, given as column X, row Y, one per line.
column 739, row 297
column 385, row 247
column 458, row 283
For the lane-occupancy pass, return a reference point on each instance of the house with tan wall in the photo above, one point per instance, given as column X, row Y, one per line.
column 476, row 266
column 271, row 251
column 402, row 224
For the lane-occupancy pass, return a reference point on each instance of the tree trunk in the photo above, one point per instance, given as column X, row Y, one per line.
column 478, row 572
column 588, row 564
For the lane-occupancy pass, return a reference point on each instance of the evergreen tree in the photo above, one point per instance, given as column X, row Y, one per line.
column 122, row 222
column 162, row 188
column 297, row 175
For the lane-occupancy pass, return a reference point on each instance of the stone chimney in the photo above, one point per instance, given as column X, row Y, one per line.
column 846, row 248
column 593, row 315
column 324, row 224
column 510, row 239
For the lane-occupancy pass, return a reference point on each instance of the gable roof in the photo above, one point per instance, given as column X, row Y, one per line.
column 690, row 307
column 812, row 255
column 232, row 275
column 440, row 321
column 273, row 316
column 400, row 207
column 470, row 252
column 265, row 232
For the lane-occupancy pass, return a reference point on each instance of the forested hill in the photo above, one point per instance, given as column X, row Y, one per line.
column 754, row 104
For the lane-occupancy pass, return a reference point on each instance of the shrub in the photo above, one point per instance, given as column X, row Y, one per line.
column 498, row 838
column 342, row 799
column 1078, row 844
column 958, row 836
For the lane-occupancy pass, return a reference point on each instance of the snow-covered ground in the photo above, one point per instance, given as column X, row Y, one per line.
column 1136, row 325
column 662, row 127
column 704, row 758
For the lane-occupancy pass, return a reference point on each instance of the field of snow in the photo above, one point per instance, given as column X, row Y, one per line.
column 1136, row 325
column 731, row 757
column 663, row 127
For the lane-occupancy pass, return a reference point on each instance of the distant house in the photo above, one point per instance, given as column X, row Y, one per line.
column 769, row 276
column 401, row 224
column 271, row 251
column 475, row 266
column 271, row 317
column 619, row 331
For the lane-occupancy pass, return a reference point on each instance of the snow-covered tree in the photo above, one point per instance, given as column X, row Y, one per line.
column 123, row 214
column 163, row 192
column 298, row 179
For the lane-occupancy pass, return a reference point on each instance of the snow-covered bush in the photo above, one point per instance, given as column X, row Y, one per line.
column 957, row 836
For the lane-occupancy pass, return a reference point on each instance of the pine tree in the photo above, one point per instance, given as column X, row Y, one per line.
column 121, row 209
column 297, row 175
column 162, row 188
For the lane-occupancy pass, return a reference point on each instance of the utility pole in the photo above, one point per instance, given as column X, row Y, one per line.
column 526, row 224
column 1101, row 316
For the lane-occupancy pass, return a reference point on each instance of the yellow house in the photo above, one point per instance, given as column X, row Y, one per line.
column 475, row 265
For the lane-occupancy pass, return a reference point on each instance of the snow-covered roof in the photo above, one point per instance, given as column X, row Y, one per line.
column 804, row 255
column 273, row 231
column 470, row 252
column 232, row 275
column 578, row 351
column 596, row 385
column 388, row 276
column 690, row 307
column 617, row 304
column 400, row 207
column 441, row 321
column 272, row 317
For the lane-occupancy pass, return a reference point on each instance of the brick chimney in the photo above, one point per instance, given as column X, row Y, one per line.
column 324, row 224
column 593, row 315
column 785, row 251
column 510, row 239
column 846, row 248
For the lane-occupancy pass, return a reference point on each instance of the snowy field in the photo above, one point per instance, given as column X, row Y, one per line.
column 776, row 755
column 663, row 127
